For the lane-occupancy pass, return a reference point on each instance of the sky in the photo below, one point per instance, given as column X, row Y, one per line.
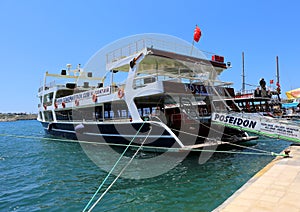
column 38, row 36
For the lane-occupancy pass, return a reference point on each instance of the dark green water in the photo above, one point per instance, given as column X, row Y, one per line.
column 47, row 175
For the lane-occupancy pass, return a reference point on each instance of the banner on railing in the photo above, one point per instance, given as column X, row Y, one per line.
column 260, row 125
column 84, row 95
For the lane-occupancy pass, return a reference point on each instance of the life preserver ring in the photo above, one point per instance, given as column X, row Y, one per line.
column 120, row 93
column 63, row 104
column 45, row 106
column 76, row 102
column 55, row 105
column 94, row 98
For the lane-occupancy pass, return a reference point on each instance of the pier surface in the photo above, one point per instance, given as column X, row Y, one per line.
column 275, row 188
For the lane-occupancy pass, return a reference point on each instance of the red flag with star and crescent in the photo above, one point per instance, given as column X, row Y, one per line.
column 197, row 34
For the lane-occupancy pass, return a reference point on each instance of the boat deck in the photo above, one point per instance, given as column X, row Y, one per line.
column 275, row 188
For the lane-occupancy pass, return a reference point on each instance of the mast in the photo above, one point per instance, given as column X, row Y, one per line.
column 277, row 76
column 277, row 70
column 243, row 74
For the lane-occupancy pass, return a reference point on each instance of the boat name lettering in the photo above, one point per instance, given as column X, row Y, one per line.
column 83, row 95
column 235, row 120
column 197, row 89
column 204, row 90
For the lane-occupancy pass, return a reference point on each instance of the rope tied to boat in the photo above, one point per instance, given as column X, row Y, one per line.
column 114, row 166
column 124, row 168
column 263, row 152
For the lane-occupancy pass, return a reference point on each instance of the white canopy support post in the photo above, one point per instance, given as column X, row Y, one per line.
column 130, row 93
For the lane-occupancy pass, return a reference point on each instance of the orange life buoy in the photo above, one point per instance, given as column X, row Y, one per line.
column 76, row 102
column 120, row 93
column 94, row 98
column 63, row 104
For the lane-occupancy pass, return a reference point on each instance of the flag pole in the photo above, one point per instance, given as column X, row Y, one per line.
column 197, row 35
column 193, row 40
column 192, row 47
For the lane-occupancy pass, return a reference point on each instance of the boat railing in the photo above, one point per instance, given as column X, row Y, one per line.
column 49, row 85
column 144, row 80
column 250, row 92
column 245, row 92
column 150, row 43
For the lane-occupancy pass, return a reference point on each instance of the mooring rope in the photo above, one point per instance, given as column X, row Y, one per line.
column 102, row 195
column 171, row 149
column 204, row 137
column 114, row 166
column 229, row 143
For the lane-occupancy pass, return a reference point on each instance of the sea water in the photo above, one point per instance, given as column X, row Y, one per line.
column 41, row 174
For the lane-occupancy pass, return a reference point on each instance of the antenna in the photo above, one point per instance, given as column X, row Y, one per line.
column 277, row 70
column 277, row 76
column 243, row 74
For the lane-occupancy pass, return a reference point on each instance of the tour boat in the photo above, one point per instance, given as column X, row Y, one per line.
column 148, row 89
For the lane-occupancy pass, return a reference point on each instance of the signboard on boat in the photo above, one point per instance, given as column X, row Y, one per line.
column 260, row 125
column 84, row 95
column 203, row 90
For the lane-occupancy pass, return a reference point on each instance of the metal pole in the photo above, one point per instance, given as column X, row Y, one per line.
column 277, row 75
column 277, row 70
column 243, row 73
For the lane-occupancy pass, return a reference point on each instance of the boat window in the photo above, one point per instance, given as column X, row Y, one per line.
column 99, row 113
column 48, row 98
column 84, row 114
column 48, row 115
column 65, row 115
column 124, row 113
column 106, row 115
column 111, row 114
column 146, row 111
column 116, row 110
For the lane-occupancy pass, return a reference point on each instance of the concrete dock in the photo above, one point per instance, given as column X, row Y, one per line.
column 275, row 188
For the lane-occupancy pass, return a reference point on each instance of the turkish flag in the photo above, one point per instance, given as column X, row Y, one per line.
column 197, row 34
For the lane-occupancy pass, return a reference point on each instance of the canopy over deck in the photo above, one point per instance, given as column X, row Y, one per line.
column 293, row 94
column 164, row 55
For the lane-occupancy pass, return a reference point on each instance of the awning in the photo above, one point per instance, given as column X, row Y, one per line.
column 290, row 105
column 293, row 94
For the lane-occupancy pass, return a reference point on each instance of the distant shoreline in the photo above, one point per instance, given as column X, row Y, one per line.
column 8, row 117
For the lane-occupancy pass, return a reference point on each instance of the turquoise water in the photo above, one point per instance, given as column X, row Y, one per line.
column 47, row 175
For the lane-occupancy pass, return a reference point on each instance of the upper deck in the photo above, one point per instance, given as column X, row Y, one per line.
column 177, row 60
